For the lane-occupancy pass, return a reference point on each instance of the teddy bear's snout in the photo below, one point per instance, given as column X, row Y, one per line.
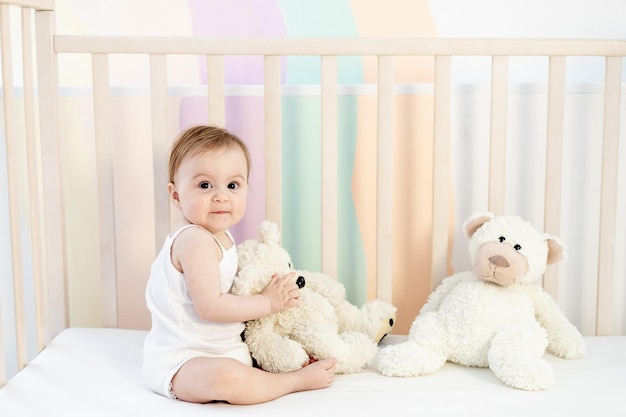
column 499, row 261
column 300, row 281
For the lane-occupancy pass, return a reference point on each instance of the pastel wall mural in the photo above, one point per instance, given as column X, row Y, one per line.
column 301, row 121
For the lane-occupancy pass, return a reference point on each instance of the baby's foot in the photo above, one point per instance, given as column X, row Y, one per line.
column 318, row 374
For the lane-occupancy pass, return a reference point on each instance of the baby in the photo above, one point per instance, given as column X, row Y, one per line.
column 194, row 351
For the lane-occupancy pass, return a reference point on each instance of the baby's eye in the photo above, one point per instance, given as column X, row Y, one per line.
column 205, row 185
column 233, row 185
column 517, row 247
column 501, row 239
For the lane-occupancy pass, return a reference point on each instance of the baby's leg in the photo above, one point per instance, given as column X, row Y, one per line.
column 203, row 380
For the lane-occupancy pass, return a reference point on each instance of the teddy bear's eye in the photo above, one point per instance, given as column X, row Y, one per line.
column 501, row 239
column 517, row 247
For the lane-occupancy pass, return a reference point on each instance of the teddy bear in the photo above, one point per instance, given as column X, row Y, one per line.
column 324, row 324
column 496, row 315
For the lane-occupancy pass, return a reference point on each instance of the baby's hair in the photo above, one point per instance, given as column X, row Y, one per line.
column 198, row 139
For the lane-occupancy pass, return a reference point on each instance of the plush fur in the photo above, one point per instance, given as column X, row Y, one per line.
column 324, row 325
column 496, row 315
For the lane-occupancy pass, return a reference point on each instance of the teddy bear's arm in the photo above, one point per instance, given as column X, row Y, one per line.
column 435, row 298
column 564, row 339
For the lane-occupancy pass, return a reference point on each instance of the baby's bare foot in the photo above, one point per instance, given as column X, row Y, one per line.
column 319, row 374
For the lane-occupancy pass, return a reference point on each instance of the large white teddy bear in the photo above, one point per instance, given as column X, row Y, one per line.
column 324, row 325
column 496, row 315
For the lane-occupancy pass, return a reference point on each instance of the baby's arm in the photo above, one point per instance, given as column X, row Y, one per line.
column 196, row 254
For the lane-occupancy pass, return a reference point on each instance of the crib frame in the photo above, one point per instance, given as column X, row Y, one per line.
column 44, row 205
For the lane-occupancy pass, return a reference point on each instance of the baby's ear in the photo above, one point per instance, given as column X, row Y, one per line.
column 171, row 190
column 556, row 250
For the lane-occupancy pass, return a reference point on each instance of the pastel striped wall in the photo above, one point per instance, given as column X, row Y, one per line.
column 301, row 126
column 301, row 131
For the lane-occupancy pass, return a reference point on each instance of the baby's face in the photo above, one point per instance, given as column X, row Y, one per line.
column 211, row 188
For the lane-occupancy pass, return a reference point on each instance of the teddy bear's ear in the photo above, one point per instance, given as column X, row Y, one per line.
column 473, row 223
column 556, row 250
column 269, row 233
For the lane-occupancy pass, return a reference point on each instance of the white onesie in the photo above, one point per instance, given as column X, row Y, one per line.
column 177, row 333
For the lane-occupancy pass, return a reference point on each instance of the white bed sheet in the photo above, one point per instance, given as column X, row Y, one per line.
column 97, row 372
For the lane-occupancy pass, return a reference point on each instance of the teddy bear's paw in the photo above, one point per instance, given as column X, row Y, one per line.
column 569, row 346
column 408, row 359
column 275, row 353
column 529, row 374
column 576, row 351
column 285, row 362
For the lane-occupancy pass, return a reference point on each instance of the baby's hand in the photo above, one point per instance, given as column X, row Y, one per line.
column 282, row 292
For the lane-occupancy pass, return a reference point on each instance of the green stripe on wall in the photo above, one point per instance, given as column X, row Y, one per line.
column 302, row 191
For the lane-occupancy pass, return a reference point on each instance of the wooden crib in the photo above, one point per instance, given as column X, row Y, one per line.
column 61, row 354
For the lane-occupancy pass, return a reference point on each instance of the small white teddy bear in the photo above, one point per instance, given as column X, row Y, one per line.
column 496, row 315
column 324, row 325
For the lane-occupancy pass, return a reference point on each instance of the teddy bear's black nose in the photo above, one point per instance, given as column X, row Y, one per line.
column 300, row 281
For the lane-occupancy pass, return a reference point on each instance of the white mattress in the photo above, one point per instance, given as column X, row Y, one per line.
column 97, row 372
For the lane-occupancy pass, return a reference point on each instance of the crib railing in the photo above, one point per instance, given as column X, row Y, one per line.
column 386, row 51
column 34, row 245
column 33, row 152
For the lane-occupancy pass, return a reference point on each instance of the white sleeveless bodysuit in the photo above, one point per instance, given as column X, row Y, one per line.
column 177, row 333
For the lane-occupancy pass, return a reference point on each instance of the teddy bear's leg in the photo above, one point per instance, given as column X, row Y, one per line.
column 516, row 357
column 358, row 351
column 272, row 351
column 352, row 350
column 423, row 353
column 408, row 359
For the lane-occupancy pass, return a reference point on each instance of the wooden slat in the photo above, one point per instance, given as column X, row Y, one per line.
column 497, row 147
column 54, row 224
column 384, row 172
column 34, row 177
column 106, row 196
column 330, row 160
column 3, row 372
column 441, row 170
column 554, row 162
column 7, row 82
column 341, row 46
column 12, row 156
column 608, row 196
column 215, row 87
column 273, row 141
column 44, row 5
column 160, row 147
